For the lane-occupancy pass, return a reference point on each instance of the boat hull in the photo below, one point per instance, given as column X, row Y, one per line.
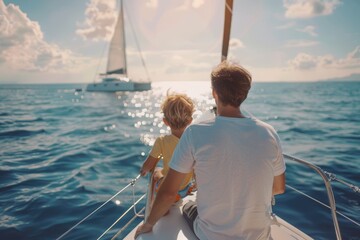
column 118, row 86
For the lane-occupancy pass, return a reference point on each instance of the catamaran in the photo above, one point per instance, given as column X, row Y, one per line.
column 116, row 76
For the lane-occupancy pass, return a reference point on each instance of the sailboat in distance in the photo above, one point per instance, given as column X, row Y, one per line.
column 116, row 76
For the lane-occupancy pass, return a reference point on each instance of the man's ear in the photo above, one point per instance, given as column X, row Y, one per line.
column 214, row 94
column 166, row 122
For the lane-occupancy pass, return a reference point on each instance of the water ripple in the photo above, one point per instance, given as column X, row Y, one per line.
column 64, row 154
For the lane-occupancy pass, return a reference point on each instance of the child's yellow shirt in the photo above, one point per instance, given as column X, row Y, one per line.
column 164, row 147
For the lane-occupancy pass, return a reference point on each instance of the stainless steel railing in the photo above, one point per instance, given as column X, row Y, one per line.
column 329, row 190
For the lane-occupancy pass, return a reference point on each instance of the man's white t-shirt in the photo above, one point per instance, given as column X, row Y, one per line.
column 235, row 161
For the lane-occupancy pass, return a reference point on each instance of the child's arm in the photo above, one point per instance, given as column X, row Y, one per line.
column 149, row 164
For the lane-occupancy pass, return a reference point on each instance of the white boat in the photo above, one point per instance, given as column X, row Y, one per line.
column 174, row 226
column 116, row 76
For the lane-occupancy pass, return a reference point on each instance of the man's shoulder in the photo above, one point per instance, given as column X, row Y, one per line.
column 203, row 122
column 264, row 125
column 198, row 127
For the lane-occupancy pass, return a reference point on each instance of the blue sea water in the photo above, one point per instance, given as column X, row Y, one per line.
column 64, row 153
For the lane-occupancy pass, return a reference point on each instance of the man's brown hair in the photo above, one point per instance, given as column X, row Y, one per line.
column 231, row 82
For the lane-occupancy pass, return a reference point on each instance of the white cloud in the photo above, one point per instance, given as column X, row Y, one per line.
column 173, row 65
column 327, row 61
column 22, row 46
column 152, row 3
column 352, row 60
column 309, row 8
column 305, row 61
column 279, row 74
column 286, row 25
column 354, row 54
column 197, row 3
column 305, row 67
column 188, row 4
column 16, row 28
column 309, row 30
column 100, row 20
column 300, row 43
column 235, row 44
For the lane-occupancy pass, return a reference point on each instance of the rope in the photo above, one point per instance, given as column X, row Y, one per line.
column 99, row 63
column 132, row 206
column 130, row 184
column 136, row 214
column 137, row 44
column 126, row 225
column 323, row 204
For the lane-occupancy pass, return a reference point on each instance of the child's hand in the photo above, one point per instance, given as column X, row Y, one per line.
column 143, row 172
column 148, row 165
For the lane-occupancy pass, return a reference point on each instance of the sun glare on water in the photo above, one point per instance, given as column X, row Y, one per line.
column 145, row 107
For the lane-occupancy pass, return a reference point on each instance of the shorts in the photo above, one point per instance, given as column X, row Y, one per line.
column 181, row 194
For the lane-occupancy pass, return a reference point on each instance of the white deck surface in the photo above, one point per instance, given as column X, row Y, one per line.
column 173, row 226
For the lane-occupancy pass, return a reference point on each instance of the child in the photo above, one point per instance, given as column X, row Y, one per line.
column 178, row 110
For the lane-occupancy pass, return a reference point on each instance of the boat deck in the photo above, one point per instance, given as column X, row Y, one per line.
column 174, row 226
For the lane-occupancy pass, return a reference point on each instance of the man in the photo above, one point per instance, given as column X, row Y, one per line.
column 238, row 165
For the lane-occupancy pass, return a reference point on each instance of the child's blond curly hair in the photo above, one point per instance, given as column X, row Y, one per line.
column 178, row 110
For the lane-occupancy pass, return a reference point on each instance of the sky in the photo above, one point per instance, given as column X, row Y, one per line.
column 52, row 41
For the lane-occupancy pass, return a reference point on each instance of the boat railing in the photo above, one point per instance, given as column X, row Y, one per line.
column 326, row 176
column 133, row 206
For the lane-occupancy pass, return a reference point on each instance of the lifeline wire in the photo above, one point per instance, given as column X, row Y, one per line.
column 143, row 196
column 127, row 224
column 321, row 203
column 130, row 184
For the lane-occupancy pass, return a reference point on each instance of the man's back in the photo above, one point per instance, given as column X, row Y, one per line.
column 238, row 165
column 236, row 160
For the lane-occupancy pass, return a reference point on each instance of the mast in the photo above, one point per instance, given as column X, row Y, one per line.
column 227, row 28
column 124, row 39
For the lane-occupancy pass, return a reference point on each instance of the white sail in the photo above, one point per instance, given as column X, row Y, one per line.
column 117, row 55
column 116, row 79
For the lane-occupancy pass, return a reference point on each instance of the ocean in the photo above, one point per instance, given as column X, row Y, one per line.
column 66, row 152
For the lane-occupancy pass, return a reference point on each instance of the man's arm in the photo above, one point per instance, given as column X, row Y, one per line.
column 163, row 201
column 279, row 184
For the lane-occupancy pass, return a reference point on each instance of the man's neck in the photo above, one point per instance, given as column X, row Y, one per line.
column 229, row 111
